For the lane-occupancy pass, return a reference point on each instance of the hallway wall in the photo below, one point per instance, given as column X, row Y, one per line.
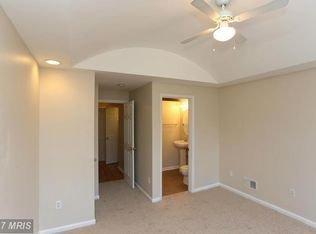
column 143, row 136
column 113, row 95
column 101, row 134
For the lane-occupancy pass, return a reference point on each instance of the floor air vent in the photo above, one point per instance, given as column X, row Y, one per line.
column 250, row 183
column 253, row 184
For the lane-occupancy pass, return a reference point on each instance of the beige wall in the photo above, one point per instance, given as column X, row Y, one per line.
column 170, row 133
column 143, row 136
column 206, row 132
column 19, row 85
column 184, row 119
column 268, row 133
column 66, row 146
column 113, row 95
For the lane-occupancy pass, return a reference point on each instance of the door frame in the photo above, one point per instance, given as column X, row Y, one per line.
column 191, row 155
column 113, row 101
column 97, row 159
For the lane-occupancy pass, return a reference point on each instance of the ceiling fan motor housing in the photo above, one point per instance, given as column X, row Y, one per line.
column 226, row 15
column 222, row 2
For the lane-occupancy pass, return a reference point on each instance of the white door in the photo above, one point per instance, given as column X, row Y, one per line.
column 111, row 133
column 129, row 146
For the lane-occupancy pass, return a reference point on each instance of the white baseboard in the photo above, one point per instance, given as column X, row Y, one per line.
column 120, row 169
column 210, row 186
column 143, row 191
column 111, row 162
column 271, row 206
column 68, row 227
column 169, row 168
column 153, row 200
column 157, row 199
column 96, row 197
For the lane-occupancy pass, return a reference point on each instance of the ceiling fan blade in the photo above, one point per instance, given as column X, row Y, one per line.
column 205, row 8
column 203, row 33
column 274, row 5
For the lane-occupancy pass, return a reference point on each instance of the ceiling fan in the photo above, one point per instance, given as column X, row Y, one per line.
column 221, row 29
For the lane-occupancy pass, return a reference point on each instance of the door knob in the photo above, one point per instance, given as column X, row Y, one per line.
column 131, row 148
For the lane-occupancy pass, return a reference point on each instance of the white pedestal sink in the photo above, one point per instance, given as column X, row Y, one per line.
column 183, row 147
column 181, row 144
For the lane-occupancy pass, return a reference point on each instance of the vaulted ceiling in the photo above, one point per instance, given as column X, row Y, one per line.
column 143, row 37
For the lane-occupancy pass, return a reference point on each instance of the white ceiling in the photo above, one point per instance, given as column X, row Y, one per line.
column 77, row 31
column 111, row 81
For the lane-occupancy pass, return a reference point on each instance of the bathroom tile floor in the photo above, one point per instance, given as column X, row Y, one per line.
column 172, row 182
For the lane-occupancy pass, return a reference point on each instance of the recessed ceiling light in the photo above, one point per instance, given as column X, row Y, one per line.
column 52, row 62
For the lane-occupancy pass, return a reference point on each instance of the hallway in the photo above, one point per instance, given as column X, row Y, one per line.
column 109, row 172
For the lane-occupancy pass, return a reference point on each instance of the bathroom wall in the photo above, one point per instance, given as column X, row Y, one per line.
column 171, row 125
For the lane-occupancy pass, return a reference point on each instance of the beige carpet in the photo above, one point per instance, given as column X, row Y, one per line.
column 123, row 210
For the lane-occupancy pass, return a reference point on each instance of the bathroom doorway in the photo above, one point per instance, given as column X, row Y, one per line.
column 111, row 141
column 175, row 145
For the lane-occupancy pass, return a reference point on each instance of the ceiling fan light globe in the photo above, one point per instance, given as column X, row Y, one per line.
column 224, row 34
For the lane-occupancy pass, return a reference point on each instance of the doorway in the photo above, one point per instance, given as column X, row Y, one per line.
column 176, row 144
column 111, row 141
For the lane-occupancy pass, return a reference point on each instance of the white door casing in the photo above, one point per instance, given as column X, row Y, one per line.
column 158, row 173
